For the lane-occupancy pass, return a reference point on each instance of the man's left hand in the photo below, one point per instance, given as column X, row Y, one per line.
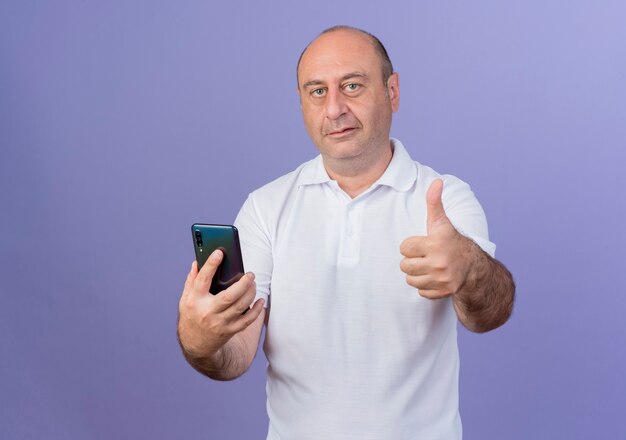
column 439, row 263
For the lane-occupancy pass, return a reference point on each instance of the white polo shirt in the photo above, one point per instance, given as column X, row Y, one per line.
column 354, row 352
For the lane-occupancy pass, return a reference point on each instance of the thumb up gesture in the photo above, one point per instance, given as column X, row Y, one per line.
column 437, row 264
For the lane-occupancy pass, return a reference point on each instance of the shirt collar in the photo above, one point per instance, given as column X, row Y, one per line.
column 400, row 174
column 313, row 172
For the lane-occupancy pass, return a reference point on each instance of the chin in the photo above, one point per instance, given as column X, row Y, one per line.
column 344, row 152
column 342, row 149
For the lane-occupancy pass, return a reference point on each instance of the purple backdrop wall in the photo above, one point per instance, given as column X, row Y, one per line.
column 123, row 122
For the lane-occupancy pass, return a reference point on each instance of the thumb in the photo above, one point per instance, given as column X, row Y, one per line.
column 434, row 205
column 206, row 274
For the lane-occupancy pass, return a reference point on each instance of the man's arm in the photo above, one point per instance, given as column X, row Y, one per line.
column 233, row 358
column 485, row 300
column 446, row 263
column 216, row 339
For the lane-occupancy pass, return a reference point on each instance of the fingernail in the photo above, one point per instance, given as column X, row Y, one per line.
column 251, row 276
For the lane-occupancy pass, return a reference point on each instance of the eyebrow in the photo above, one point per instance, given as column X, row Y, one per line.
column 317, row 82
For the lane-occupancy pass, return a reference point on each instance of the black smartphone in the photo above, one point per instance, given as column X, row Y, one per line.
column 207, row 238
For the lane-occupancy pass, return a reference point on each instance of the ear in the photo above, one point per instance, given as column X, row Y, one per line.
column 393, row 90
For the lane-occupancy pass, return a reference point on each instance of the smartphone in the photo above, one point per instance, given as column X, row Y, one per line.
column 207, row 238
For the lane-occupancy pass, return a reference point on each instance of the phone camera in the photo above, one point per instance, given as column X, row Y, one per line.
column 198, row 235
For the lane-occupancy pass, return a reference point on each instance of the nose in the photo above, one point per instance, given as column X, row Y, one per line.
column 336, row 105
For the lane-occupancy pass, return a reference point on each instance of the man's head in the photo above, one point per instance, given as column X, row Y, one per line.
column 385, row 61
column 348, row 92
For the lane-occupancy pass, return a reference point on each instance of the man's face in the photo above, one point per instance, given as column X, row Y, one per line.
column 346, row 106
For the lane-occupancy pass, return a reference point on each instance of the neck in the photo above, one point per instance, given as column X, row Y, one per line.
column 356, row 175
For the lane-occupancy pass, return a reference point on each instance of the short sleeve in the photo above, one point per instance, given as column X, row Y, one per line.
column 256, row 248
column 465, row 212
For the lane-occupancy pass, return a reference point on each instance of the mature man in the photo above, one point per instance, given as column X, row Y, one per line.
column 361, row 261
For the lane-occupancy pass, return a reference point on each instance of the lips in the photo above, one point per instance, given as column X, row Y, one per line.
column 341, row 131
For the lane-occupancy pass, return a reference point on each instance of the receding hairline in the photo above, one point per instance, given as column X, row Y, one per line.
column 385, row 61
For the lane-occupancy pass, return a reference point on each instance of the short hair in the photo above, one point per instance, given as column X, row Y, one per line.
column 387, row 67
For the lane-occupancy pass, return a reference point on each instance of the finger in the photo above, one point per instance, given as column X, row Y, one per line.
column 246, row 320
column 421, row 281
column 226, row 298
column 432, row 293
column 414, row 247
column 244, row 302
column 193, row 273
column 429, row 281
column 434, row 205
column 428, row 286
column 205, row 275
column 415, row 266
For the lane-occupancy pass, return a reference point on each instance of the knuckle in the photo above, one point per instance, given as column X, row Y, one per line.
column 238, row 308
column 185, row 304
column 212, row 262
column 447, row 277
column 225, row 297
column 404, row 265
column 413, row 266
column 250, row 319
column 243, row 306
column 403, row 247
column 204, row 278
column 440, row 263
column 407, row 248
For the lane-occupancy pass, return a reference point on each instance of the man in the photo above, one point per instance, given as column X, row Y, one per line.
column 370, row 258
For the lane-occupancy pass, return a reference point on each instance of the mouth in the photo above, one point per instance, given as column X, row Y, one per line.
column 341, row 132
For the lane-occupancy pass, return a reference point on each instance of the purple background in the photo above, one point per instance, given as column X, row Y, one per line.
column 121, row 123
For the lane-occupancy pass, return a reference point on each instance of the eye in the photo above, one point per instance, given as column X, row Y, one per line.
column 318, row 92
column 352, row 87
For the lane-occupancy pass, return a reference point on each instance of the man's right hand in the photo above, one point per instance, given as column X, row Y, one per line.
column 207, row 322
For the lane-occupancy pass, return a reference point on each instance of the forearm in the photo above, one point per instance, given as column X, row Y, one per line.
column 485, row 301
column 227, row 363
column 225, row 360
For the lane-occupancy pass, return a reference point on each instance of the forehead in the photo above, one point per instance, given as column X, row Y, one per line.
column 336, row 53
